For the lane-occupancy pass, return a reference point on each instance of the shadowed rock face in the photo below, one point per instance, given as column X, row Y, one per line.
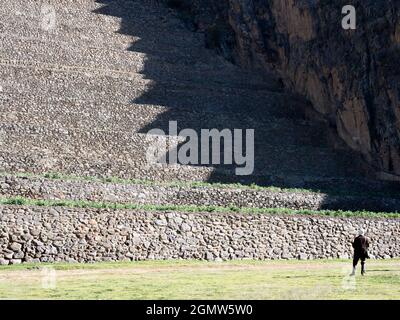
column 352, row 77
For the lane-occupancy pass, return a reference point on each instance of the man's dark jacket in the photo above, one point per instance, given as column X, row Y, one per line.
column 360, row 246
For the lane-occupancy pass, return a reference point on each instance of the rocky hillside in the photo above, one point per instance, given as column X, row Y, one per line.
column 79, row 96
column 351, row 77
column 81, row 84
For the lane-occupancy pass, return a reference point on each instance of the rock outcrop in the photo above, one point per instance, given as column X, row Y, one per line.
column 351, row 77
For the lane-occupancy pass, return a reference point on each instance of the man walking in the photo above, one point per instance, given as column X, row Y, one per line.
column 360, row 245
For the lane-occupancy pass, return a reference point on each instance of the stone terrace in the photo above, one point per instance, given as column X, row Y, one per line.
column 78, row 98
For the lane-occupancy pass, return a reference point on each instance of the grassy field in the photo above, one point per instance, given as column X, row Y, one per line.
column 322, row 279
column 22, row 201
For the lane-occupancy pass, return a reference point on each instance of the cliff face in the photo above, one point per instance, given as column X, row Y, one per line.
column 351, row 77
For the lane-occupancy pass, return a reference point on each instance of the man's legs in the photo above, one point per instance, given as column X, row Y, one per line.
column 355, row 261
column 362, row 266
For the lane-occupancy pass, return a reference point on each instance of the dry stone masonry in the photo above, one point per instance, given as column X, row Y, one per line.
column 208, row 195
column 39, row 234
column 83, row 82
column 80, row 97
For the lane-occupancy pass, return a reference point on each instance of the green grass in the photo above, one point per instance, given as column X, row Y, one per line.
column 21, row 201
column 194, row 184
column 317, row 279
column 340, row 191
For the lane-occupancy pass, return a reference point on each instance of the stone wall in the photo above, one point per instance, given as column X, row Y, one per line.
column 43, row 234
column 76, row 190
column 351, row 77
